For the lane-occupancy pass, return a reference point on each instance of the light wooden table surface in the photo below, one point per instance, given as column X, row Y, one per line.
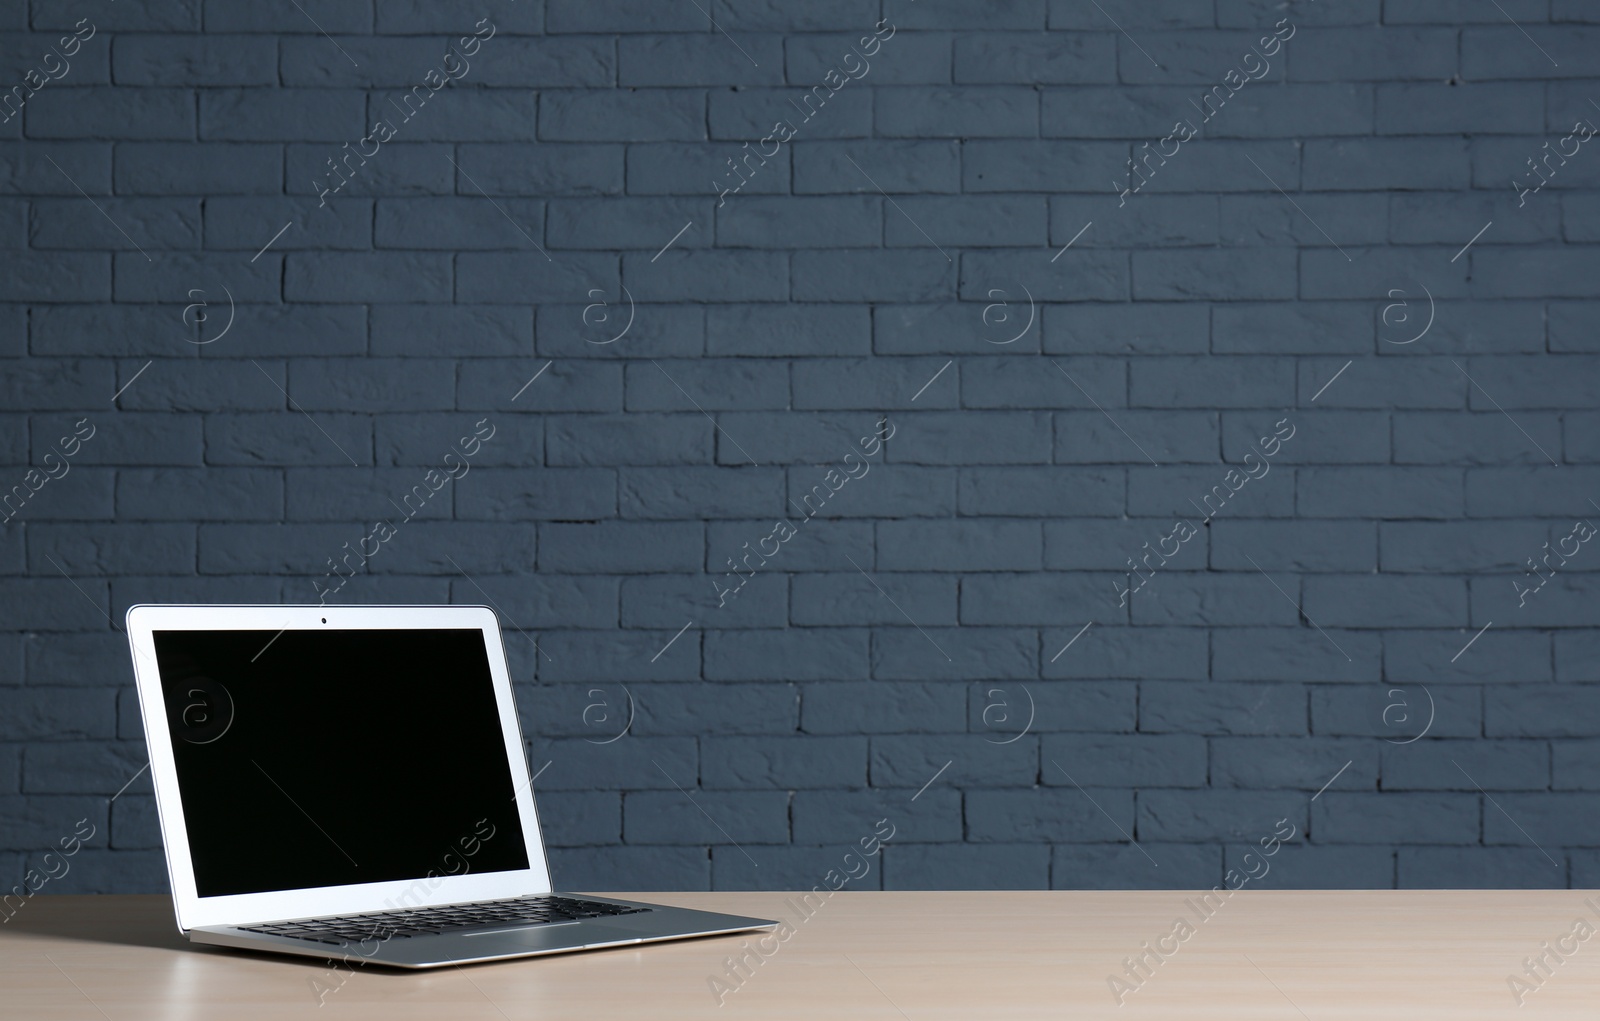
column 1262, row 954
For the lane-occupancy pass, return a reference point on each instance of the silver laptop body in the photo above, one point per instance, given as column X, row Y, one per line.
column 351, row 782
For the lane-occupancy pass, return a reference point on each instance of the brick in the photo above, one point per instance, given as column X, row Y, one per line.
column 1382, row 164
column 1212, row 382
column 694, row 59
column 788, row 329
column 1127, row 328
column 1438, row 868
column 1107, row 545
column 1385, row 492
column 42, row 822
column 1185, row 598
column 1217, row 814
column 156, row 223
column 1384, row 601
column 1436, row 109
column 987, row 760
column 1044, row 165
column 188, row 168
column 1041, row 492
column 1155, row 221
column 663, row 601
column 899, row 166
column 1122, row 867
column 1269, row 762
column 513, row 168
column 710, row 276
column 986, row 546
column 98, row 111
column 596, row 116
column 139, row 439
column 1467, row 766
column 373, row 276
column 612, row 546
column 1034, row 59
column 871, row 383
column 97, row 767
column 407, row 17
column 405, row 168
column 282, row 115
column 1044, row 815
column 245, row 224
column 692, row 493
column 956, row 112
column 1486, row 438
column 1273, row 220
column 1294, row 546
column 875, row 708
column 1270, row 654
column 1574, row 765
column 1084, row 276
column 797, row 867
column 113, row 549
column 1370, row 53
column 794, row 763
column 1396, row 714
column 1163, row 14
column 796, row 655
column 916, row 653
column 914, row 58
column 89, row 660
column 1539, row 710
column 56, row 714
column 178, row 60
column 966, row 867
column 615, row 440
column 1513, row 492
column 55, row 277
column 1037, row 598
column 752, row 114
column 822, row 549
column 1222, row 708
column 1136, row 760
column 580, row 818
column 625, row 16
column 1144, row 653
column 672, row 331
column 856, row 276
column 788, row 222
column 1433, row 218
column 454, row 224
column 647, row 868
column 703, row 817
column 731, row 709
column 846, row 599
column 1555, row 818
column 1002, row 437
column 1577, row 656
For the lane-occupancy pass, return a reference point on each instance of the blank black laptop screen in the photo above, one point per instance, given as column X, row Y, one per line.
column 324, row 758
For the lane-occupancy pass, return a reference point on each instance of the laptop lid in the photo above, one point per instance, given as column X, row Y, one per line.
column 319, row 760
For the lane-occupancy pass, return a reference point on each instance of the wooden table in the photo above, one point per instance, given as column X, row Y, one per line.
column 1261, row 954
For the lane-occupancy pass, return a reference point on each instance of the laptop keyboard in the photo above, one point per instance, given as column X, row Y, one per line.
column 521, row 911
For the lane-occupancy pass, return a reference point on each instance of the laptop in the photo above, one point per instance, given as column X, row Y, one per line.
column 350, row 782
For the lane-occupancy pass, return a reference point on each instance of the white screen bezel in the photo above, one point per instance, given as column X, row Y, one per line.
column 194, row 911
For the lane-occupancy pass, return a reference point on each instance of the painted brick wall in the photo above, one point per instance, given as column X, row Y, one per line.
column 1210, row 486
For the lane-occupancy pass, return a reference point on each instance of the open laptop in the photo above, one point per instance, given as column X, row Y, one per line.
column 350, row 781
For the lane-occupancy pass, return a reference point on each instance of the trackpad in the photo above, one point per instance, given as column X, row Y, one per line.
column 558, row 936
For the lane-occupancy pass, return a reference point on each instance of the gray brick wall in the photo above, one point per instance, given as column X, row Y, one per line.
column 685, row 266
